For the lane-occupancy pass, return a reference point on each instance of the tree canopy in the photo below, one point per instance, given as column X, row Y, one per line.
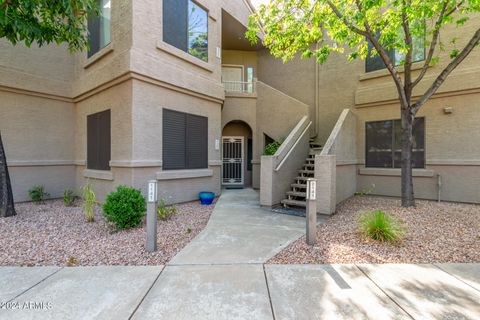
column 362, row 28
column 46, row 21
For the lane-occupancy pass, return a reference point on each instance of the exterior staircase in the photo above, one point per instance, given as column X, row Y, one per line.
column 296, row 197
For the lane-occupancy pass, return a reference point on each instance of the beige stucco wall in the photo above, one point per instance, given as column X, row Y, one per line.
column 148, row 103
column 452, row 149
column 38, row 136
column 119, row 100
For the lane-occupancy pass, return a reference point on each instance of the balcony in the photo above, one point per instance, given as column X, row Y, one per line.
column 239, row 87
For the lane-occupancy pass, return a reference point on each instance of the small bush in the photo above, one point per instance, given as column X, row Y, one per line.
column 69, row 197
column 38, row 194
column 88, row 202
column 163, row 211
column 381, row 226
column 271, row 149
column 125, row 207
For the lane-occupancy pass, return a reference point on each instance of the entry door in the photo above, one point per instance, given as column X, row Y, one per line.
column 232, row 77
column 233, row 161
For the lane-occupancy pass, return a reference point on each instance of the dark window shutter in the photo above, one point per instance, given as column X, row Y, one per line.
column 99, row 141
column 92, row 159
column 175, row 23
column 104, row 140
column 197, row 142
column 93, row 34
column 174, row 139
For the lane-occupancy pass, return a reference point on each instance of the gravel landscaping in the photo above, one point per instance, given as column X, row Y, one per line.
column 52, row 234
column 436, row 233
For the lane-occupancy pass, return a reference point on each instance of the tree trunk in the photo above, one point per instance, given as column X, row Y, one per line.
column 408, row 199
column 7, row 207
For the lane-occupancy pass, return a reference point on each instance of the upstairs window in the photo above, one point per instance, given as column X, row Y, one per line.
column 99, row 28
column 185, row 26
column 384, row 144
column 398, row 58
column 98, row 141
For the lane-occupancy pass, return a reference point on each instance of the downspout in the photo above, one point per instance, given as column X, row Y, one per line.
column 317, row 98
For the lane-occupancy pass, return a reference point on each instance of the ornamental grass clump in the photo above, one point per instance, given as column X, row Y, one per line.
column 381, row 226
column 88, row 202
column 125, row 207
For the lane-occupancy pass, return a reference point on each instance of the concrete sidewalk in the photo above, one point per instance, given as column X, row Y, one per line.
column 242, row 291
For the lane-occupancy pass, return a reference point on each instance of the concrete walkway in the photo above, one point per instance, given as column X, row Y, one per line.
column 221, row 275
column 253, row 291
column 240, row 231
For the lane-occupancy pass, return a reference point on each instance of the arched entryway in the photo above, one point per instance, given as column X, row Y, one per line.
column 237, row 152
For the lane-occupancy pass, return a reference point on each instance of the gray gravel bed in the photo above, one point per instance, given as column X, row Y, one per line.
column 436, row 233
column 51, row 234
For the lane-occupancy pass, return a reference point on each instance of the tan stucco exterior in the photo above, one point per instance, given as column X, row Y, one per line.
column 47, row 93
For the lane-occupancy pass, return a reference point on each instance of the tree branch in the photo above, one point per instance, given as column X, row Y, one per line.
column 474, row 41
column 408, row 56
column 350, row 25
column 436, row 34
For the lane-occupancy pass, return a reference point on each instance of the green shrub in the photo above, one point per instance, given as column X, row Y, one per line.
column 38, row 194
column 381, row 226
column 69, row 197
column 88, row 202
column 271, row 149
column 125, row 207
column 163, row 211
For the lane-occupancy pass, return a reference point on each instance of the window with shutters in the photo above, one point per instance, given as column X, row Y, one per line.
column 98, row 141
column 185, row 141
column 185, row 26
column 99, row 28
column 384, row 144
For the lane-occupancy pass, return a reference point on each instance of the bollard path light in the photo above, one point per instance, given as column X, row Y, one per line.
column 151, row 245
column 311, row 196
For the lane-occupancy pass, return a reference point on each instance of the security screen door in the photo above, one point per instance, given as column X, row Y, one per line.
column 233, row 161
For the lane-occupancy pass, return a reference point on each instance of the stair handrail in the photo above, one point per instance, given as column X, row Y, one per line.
column 293, row 138
column 330, row 144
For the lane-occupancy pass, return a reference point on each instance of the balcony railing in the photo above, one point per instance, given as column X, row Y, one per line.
column 239, row 86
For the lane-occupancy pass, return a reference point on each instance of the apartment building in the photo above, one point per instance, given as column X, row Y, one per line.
column 171, row 90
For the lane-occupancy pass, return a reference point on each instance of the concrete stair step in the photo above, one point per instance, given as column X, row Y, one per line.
column 299, row 185
column 294, row 203
column 306, row 171
column 302, row 178
column 296, row 194
column 309, row 165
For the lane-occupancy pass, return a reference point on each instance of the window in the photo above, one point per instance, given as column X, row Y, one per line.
column 185, row 141
column 98, row 141
column 185, row 26
column 376, row 63
column 99, row 28
column 384, row 144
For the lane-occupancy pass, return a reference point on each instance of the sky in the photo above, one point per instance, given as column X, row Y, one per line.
column 256, row 3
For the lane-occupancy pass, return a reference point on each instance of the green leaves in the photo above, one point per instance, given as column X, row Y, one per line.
column 46, row 21
column 298, row 26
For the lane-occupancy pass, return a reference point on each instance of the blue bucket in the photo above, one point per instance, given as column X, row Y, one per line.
column 206, row 198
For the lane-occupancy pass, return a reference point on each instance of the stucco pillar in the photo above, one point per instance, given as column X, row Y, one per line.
column 325, row 173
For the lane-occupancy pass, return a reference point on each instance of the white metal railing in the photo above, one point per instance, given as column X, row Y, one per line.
column 239, row 86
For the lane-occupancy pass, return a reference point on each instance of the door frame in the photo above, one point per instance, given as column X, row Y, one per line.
column 242, row 183
column 236, row 66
